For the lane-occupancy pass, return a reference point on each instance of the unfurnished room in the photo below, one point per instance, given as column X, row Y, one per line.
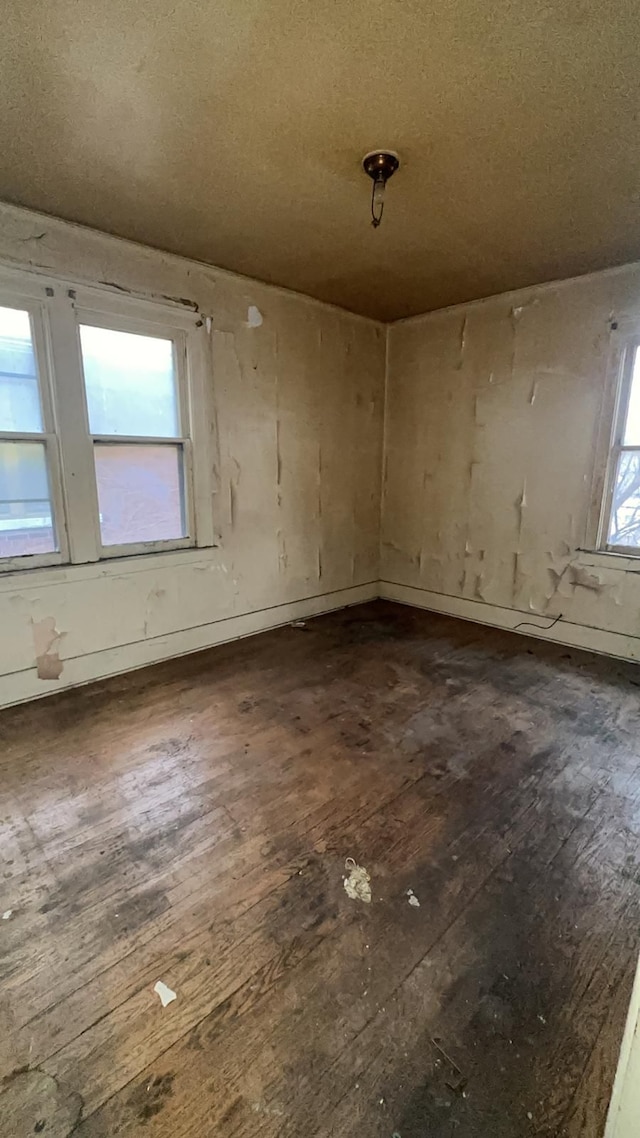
column 319, row 530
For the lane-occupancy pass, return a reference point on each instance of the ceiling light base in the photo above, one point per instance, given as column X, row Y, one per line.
column 380, row 164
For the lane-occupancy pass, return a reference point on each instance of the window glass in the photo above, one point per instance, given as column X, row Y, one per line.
column 624, row 525
column 632, row 424
column 19, row 393
column 140, row 492
column 130, row 382
column 26, row 517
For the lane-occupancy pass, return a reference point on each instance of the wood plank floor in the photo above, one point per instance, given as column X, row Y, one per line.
column 190, row 823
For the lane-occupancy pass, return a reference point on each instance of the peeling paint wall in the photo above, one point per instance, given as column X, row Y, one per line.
column 298, row 393
column 492, row 416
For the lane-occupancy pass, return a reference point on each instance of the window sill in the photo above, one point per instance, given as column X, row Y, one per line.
column 606, row 559
column 22, row 579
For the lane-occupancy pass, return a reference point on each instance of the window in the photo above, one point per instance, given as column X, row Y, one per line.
column 621, row 515
column 132, row 392
column 103, row 436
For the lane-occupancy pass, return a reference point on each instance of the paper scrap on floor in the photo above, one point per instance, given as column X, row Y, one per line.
column 166, row 994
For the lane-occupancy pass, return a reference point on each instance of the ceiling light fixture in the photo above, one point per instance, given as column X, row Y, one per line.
column 379, row 165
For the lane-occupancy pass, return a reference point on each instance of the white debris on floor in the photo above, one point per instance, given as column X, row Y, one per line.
column 358, row 883
column 413, row 900
column 166, row 994
column 7, row 913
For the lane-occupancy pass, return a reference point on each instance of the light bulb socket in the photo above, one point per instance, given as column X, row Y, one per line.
column 380, row 164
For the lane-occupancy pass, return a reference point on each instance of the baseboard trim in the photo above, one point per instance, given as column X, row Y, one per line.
column 564, row 632
column 19, row 687
column 25, row 685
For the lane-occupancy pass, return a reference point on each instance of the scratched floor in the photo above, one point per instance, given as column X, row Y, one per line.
column 190, row 823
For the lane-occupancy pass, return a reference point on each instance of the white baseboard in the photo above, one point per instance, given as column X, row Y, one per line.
column 573, row 635
column 24, row 685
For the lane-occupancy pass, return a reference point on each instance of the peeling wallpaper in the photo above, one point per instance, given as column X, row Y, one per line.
column 493, row 415
column 298, row 393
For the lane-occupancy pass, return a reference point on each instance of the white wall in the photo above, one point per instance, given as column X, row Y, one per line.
column 298, row 404
column 494, row 411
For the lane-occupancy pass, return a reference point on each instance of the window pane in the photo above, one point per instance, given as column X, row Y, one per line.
column 26, row 521
column 632, row 425
column 19, row 394
column 130, row 382
column 140, row 493
column 624, row 527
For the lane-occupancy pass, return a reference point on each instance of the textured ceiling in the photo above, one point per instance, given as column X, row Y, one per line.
column 232, row 131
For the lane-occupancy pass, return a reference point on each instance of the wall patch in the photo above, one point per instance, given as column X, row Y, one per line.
column 46, row 643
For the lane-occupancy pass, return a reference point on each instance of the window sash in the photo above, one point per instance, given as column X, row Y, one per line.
column 56, row 313
column 129, row 549
column 152, row 330
column 52, row 457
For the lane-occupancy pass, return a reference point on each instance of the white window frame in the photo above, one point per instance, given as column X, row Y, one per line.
column 178, row 337
column 624, row 336
column 28, row 300
column 627, row 347
column 57, row 308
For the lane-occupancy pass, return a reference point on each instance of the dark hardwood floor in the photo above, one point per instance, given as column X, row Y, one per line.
column 189, row 823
